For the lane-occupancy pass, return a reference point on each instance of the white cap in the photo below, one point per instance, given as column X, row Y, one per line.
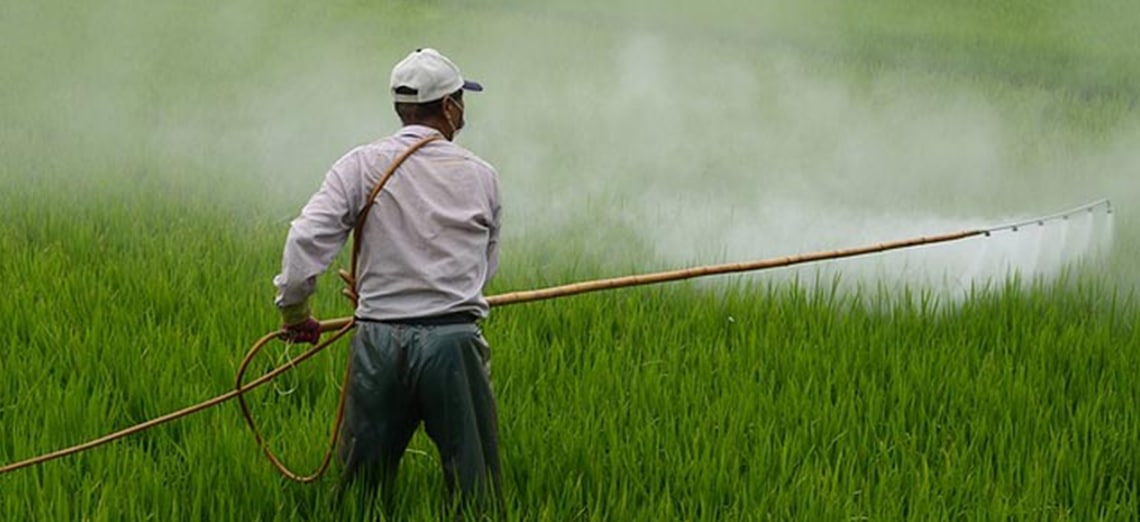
column 425, row 76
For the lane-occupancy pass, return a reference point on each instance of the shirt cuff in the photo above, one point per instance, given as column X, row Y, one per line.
column 296, row 313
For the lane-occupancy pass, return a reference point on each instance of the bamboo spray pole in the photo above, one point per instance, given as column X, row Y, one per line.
column 555, row 292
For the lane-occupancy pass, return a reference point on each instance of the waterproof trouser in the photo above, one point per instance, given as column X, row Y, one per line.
column 405, row 374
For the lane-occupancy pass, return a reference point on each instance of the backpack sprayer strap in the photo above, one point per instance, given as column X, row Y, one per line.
column 350, row 278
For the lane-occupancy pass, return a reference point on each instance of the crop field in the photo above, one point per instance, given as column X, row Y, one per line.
column 155, row 152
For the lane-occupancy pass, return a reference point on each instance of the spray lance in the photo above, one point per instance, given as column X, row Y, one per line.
column 339, row 327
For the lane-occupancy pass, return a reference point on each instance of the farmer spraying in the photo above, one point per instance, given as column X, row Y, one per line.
column 426, row 216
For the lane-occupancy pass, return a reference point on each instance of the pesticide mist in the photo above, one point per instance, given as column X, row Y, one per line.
column 690, row 151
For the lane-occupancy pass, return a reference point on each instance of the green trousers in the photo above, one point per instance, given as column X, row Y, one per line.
column 402, row 375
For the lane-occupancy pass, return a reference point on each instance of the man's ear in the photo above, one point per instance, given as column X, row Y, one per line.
column 454, row 101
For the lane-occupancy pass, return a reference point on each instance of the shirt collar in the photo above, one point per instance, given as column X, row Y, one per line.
column 418, row 131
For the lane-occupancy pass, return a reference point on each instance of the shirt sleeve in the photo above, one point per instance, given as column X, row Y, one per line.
column 319, row 232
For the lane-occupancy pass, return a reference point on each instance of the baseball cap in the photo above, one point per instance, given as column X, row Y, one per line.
column 425, row 76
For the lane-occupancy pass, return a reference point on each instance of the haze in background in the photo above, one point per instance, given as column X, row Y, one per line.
column 631, row 139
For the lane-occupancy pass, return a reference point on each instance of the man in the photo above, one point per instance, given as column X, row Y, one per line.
column 428, row 245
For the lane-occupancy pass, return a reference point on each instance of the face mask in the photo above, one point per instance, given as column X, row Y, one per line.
column 455, row 128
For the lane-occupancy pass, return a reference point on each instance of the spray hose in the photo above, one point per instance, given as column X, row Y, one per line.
column 350, row 292
column 339, row 327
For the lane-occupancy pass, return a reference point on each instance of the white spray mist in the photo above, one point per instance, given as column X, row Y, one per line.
column 712, row 155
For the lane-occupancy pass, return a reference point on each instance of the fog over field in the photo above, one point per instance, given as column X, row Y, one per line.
column 636, row 139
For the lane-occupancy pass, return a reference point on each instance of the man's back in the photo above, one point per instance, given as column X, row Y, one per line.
column 431, row 239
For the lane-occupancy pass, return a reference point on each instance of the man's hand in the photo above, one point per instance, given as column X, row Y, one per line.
column 307, row 331
column 298, row 325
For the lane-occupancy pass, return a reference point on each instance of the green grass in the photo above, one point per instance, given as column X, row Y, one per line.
column 141, row 223
column 682, row 402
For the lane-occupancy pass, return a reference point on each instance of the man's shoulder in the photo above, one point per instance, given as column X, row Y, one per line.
column 474, row 159
column 386, row 146
column 383, row 145
column 479, row 162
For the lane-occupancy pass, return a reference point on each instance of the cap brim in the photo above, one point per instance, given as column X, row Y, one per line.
column 472, row 86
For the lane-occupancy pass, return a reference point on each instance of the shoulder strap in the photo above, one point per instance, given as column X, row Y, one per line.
column 358, row 230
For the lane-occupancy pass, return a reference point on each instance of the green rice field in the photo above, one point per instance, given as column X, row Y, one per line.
column 155, row 152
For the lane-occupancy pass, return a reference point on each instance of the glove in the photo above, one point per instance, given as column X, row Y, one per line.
column 307, row 331
column 298, row 325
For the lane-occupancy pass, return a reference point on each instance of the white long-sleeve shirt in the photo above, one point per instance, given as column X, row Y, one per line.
column 430, row 242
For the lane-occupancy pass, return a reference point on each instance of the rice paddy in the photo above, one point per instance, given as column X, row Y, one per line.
column 154, row 155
